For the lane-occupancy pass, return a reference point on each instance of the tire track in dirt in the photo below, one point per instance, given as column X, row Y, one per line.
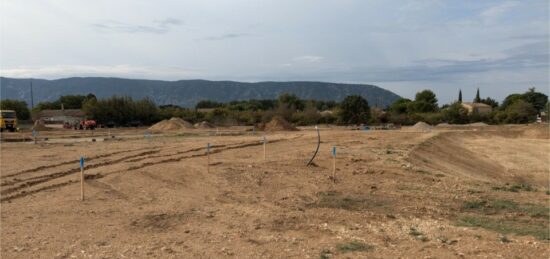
column 112, row 162
column 177, row 153
column 36, row 169
column 44, row 178
column 146, row 164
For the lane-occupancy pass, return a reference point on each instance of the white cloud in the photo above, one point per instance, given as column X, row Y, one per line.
column 53, row 72
column 309, row 59
column 492, row 14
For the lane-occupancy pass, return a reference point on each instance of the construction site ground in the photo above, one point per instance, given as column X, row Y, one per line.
column 453, row 192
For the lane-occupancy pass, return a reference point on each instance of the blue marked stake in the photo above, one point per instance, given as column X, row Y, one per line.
column 334, row 151
column 81, row 178
column 208, row 147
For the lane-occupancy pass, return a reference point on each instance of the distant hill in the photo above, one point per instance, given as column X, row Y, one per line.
column 187, row 93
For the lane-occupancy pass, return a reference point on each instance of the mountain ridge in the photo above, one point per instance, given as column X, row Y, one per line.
column 187, row 92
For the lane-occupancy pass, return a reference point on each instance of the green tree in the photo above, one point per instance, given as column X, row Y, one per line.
column 455, row 114
column 401, row 106
column 425, row 101
column 538, row 100
column 20, row 108
column 510, row 99
column 354, row 109
column 477, row 99
column 520, row 112
column 291, row 101
column 489, row 101
column 72, row 101
column 207, row 104
column 460, row 95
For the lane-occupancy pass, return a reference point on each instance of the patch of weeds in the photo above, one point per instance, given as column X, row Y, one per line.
column 417, row 234
column 472, row 191
column 336, row 200
column 504, row 239
column 388, row 152
column 440, row 175
column 536, row 211
column 548, row 192
column 422, row 171
column 354, row 246
column 474, row 204
column 497, row 206
column 507, row 226
column 515, row 188
column 444, row 240
column 425, row 160
column 504, row 205
column 325, row 254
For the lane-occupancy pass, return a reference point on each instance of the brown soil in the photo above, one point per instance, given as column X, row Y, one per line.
column 420, row 127
column 173, row 124
column 40, row 126
column 279, row 124
column 397, row 194
column 204, row 125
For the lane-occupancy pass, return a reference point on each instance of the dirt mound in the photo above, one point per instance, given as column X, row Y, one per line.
column 40, row 126
column 279, row 124
column 484, row 156
column 443, row 125
column 204, row 125
column 171, row 124
column 420, row 126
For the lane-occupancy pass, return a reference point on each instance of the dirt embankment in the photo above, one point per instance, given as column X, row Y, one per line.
column 488, row 156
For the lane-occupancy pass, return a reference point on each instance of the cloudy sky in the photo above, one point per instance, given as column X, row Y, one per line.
column 404, row 46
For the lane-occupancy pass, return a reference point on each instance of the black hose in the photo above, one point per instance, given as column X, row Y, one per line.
column 316, row 150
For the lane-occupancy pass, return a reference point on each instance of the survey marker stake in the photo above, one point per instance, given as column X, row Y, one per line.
column 81, row 178
column 334, row 163
column 264, row 140
column 34, row 134
column 208, row 157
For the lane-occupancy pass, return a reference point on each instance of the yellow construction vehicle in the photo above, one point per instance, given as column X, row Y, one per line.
column 8, row 120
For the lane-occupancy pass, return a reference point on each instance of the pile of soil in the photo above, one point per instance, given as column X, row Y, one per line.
column 172, row 124
column 279, row 124
column 420, row 126
column 443, row 125
column 39, row 125
column 204, row 125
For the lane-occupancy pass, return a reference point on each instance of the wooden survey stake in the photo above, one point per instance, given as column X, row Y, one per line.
column 265, row 142
column 208, row 157
column 334, row 164
column 81, row 178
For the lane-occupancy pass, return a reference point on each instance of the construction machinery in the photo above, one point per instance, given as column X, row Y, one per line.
column 8, row 120
column 86, row 124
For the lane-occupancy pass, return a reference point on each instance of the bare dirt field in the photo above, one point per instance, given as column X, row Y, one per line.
column 452, row 192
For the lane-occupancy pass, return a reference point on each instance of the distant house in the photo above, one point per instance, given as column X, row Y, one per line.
column 70, row 116
column 480, row 108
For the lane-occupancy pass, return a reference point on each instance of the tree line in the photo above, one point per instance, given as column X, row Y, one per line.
column 354, row 109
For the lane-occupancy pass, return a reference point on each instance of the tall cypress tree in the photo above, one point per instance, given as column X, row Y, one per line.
column 477, row 99
column 460, row 95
